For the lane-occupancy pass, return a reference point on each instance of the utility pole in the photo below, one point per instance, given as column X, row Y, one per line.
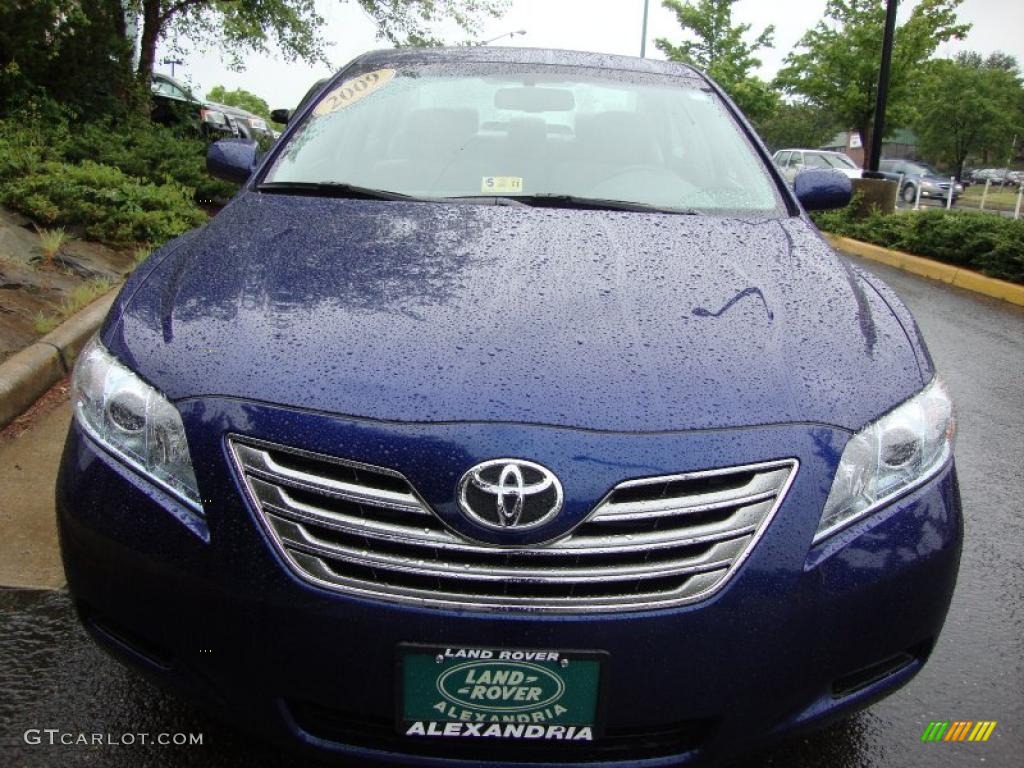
column 643, row 34
column 878, row 131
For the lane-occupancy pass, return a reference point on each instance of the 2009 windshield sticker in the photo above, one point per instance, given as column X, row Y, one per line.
column 351, row 91
column 501, row 185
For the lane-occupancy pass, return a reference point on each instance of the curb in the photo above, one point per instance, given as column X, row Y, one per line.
column 28, row 374
column 935, row 270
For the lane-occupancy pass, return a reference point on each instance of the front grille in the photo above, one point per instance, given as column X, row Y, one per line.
column 651, row 542
column 359, row 729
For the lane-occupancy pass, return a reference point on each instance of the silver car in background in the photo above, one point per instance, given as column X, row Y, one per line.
column 792, row 161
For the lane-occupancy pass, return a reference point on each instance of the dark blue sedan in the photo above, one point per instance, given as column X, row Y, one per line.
column 514, row 412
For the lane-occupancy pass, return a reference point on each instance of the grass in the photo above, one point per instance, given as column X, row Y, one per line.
column 45, row 323
column 51, row 241
column 141, row 254
column 80, row 297
column 1004, row 199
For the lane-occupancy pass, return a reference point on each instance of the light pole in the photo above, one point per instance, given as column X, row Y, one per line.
column 505, row 34
column 882, row 96
column 643, row 33
column 172, row 62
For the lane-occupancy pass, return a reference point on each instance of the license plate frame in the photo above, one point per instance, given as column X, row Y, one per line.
column 569, row 707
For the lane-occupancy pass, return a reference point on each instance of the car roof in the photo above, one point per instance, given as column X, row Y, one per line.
column 171, row 80
column 550, row 56
column 808, row 149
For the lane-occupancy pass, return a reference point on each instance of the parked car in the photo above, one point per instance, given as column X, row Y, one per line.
column 283, row 116
column 571, row 441
column 792, row 161
column 247, row 124
column 174, row 103
column 1000, row 176
column 912, row 174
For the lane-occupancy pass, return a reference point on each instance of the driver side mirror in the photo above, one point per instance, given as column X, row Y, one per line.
column 281, row 116
column 821, row 190
column 232, row 159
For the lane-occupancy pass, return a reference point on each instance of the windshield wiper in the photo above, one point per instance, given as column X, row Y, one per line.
column 332, row 189
column 556, row 200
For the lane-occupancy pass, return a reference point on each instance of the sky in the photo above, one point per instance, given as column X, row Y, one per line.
column 606, row 26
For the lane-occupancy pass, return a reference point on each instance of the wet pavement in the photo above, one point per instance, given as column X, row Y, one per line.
column 51, row 675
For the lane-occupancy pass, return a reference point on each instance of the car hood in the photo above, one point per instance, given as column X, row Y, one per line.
column 426, row 312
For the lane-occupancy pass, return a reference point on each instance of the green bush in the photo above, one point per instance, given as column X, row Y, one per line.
column 123, row 182
column 156, row 153
column 103, row 201
column 989, row 243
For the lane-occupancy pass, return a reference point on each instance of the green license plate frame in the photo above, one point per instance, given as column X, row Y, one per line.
column 447, row 691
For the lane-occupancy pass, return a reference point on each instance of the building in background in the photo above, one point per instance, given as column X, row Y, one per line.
column 901, row 143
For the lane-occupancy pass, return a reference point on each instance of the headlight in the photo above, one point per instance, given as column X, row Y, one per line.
column 133, row 421
column 213, row 116
column 930, row 185
column 258, row 123
column 889, row 457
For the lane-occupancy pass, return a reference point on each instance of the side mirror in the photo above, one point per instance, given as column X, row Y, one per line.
column 281, row 116
column 821, row 190
column 231, row 159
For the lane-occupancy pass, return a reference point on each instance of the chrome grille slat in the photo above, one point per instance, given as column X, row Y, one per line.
column 294, row 534
column 276, row 501
column 323, row 574
column 650, row 542
column 671, row 507
column 261, row 464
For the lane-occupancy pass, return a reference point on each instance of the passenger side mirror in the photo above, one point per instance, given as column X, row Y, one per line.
column 232, row 159
column 281, row 116
column 821, row 190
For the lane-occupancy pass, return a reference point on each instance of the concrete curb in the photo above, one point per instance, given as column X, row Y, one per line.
column 26, row 375
column 935, row 270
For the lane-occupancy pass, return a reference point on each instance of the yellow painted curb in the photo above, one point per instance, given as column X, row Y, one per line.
column 935, row 270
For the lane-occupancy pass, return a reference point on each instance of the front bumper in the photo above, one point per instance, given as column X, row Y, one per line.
column 938, row 193
column 799, row 636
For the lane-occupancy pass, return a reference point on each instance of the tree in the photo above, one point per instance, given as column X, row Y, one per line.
column 239, row 26
column 74, row 51
column 797, row 124
column 718, row 47
column 968, row 105
column 835, row 65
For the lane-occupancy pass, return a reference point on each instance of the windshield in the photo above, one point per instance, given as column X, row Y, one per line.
column 840, row 161
column 921, row 169
column 486, row 132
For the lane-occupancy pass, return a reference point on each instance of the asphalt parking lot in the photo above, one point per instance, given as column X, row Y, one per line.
column 52, row 677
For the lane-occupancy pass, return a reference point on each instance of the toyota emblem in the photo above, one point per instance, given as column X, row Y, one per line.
column 510, row 493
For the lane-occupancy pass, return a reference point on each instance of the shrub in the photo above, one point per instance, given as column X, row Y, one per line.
column 989, row 243
column 156, row 153
column 105, row 202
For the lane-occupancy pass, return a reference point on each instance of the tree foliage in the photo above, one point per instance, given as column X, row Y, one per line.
column 835, row 65
column 74, row 51
column 239, row 27
column 969, row 105
column 797, row 124
column 719, row 47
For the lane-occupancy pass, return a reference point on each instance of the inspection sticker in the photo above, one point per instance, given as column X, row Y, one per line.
column 501, row 185
column 351, row 91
